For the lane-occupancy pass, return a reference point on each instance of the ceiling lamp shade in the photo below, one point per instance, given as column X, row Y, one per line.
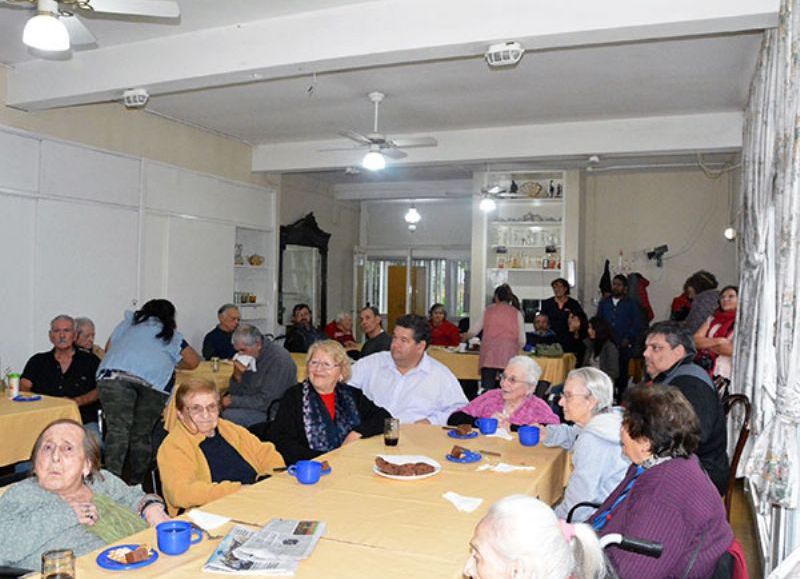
column 412, row 216
column 487, row 204
column 46, row 32
column 373, row 160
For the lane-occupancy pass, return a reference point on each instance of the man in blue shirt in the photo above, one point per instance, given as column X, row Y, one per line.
column 622, row 314
column 217, row 343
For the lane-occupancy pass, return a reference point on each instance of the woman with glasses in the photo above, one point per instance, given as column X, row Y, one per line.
column 666, row 496
column 206, row 457
column 593, row 440
column 514, row 403
column 324, row 412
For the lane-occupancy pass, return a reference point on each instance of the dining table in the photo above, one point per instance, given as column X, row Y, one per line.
column 22, row 422
column 376, row 526
column 465, row 365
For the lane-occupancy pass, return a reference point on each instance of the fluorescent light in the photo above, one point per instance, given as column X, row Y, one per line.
column 373, row 161
column 412, row 216
column 46, row 32
column 487, row 205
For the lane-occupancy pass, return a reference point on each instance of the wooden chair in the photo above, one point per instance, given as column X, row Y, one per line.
column 728, row 404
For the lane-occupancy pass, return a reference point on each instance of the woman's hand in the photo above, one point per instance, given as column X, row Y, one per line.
column 352, row 436
column 155, row 514
column 85, row 511
column 503, row 420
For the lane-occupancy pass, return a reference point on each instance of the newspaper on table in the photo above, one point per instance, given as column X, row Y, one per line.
column 276, row 549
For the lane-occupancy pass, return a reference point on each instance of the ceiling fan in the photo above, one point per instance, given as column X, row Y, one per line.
column 379, row 144
column 56, row 26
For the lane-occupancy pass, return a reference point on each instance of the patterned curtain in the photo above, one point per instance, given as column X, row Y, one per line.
column 767, row 357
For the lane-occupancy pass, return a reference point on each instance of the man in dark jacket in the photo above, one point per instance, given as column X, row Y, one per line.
column 623, row 315
column 668, row 354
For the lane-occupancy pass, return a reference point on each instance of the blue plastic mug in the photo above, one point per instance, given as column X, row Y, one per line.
column 175, row 537
column 529, row 435
column 306, row 472
column 486, row 425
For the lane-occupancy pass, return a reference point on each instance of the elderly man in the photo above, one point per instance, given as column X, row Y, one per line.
column 65, row 371
column 406, row 381
column 217, row 343
column 301, row 334
column 377, row 340
column 84, row 337
column 669, row 351
column 262, row 372
column 341, row 330
column 541, row 334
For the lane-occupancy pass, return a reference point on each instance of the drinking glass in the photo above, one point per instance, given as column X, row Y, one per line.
column 391, row 431
column 58, row 564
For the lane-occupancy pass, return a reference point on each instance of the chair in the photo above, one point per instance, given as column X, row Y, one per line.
column 728, row 403
column 577, row 506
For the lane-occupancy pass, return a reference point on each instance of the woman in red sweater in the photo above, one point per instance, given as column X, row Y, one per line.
column 443, row 333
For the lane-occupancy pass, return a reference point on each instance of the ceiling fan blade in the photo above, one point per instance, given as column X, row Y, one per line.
column 341, row 149
column 23, row 4
column 357, row 137
column 393, row 153
column 152, row 8
column 79, row 35
column 415, row 142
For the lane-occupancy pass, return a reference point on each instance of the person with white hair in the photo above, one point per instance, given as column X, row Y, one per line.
column 598, row 464
column 341, row 330
column 521, row 537
column 85, row 335
column 514, row 403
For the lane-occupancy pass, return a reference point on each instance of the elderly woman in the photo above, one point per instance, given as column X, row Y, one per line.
column 514, row 403
column 665, row 496
column 341, row 330
column 443, row 333
column 597, row 463
column 84, row 337
column 205, row 457
column 714, row 339
column 324, row 412
column 69, row 503
column 501, row 547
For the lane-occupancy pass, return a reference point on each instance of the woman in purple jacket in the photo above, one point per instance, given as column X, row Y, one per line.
column 665, row 496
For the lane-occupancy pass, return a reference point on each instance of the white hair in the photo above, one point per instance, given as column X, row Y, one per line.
column 527, row 530
column 598, row 384
column 529, row 366
column 343, row 316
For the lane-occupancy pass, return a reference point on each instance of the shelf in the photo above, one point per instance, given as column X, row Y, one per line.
column 256, row 305
column 525, row 247
column 523, row 269
column 255, row 267
column 528, row 223
column 530, row 201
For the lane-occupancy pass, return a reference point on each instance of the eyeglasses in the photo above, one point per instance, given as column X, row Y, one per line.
column 571, row 395
column 322, row 365
column 511, row 380
column 197, row 410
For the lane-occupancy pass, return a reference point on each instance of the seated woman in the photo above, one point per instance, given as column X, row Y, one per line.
column 514, row 403
column 341, row 330
column 601, row 352
column 69, row 503
column 665, row 496
column 205, row 457
column 324, row 412
column 577, row 326
column 501, row 547
column 714, row 339
column 597, row 463
column 443, row 333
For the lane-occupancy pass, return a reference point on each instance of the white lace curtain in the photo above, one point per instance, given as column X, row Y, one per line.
column 767, row 357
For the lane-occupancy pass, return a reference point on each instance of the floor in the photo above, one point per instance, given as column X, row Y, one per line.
column 745, row 530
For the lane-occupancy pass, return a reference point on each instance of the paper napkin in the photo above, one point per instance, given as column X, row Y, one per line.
column 247, row 361
column 501, row 433
column 462, row 503
column 207, row 521
column 504, row 467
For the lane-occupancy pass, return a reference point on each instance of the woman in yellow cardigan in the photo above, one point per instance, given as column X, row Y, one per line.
column 205, row 457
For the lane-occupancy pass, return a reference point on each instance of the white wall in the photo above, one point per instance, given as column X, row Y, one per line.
column 88, row 232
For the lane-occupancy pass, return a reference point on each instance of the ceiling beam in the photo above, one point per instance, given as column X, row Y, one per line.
column 652, row 135
column 445, row 188
column 370, row 34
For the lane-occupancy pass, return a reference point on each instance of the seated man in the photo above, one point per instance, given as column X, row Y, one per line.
column 263, row 379
column 84, row 337
column 541, row 334
column 341, row 330
column 406, row 381
column 65, row 371
column 217, row 343
column 377, row 340
column 301, row 334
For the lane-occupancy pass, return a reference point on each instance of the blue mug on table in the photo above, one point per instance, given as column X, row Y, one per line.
column 307, row 472
column 529, row 435
column 486, row 425
column 175, row 537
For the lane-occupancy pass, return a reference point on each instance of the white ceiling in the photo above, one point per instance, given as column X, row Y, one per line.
column 627, row 78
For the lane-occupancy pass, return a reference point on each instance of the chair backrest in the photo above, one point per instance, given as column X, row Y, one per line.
column 728, row 403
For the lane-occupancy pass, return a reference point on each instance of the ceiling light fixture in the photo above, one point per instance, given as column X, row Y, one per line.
column 46, row 32
column 412, row 216
column 374, row 160
column 504, row 54
column 729, row 233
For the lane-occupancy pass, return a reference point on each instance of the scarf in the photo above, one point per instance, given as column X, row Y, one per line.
column 724, row 321
column 324, row 434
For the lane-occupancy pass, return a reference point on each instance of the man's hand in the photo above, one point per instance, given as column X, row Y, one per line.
column 238, row 370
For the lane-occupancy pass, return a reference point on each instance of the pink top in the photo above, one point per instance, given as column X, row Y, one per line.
column 501, row 332
column 533, row 411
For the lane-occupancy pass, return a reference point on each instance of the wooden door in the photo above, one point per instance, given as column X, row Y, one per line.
column 396, row 293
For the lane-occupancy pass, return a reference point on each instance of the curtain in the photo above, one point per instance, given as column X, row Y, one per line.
column 767, row 357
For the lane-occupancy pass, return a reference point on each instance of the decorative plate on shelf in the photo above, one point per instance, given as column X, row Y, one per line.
column 531, row 189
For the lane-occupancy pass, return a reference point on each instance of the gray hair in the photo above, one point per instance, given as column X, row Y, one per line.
column 63, row 318
column 247, row 336
column 343, row 315
column 532, row 370
column 82, row 323
column 225, row 307
column 598, row 384
column 675, row 333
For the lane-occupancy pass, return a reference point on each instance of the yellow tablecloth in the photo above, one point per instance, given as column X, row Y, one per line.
column 465, row 365
column 221, row 378
column 377, row 527
column 22, row 422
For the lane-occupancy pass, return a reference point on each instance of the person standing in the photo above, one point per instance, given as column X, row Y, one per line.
column 701, row 289
column 558, row 309
column 622, row 314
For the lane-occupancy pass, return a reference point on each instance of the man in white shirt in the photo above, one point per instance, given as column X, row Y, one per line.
column 406, row 381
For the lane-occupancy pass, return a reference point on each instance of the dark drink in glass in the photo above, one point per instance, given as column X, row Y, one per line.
column 391, row 431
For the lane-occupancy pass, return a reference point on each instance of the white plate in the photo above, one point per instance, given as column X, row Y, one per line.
column 404, row 458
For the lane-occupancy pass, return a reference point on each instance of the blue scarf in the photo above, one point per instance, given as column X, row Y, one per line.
column 322, row 432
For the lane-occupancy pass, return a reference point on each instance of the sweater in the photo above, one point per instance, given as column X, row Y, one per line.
column 185, row 475
column 598, row 464
column 35, row 520
column 275, row 372
column 533, row 410
column 675, row 504
column 559, row 316
column 289, row 430
column 624, row 318
column 445, row 334
column 217, row 343
column 380, row 343
column 703, row 306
